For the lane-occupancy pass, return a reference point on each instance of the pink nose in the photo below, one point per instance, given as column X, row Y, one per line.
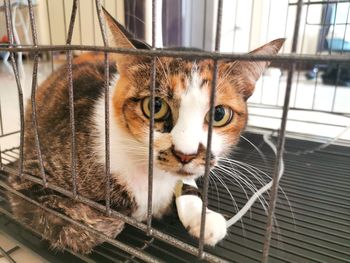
column 183, row 158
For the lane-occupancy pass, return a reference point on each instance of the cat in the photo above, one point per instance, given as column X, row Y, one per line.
column 180, row 138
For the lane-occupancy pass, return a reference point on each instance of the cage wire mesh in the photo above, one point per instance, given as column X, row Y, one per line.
column 330, row 56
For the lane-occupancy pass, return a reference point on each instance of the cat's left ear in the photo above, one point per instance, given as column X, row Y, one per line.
column 244, row 74
column 119, row 37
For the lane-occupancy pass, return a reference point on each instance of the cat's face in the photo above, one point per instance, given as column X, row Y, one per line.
column 182, row 101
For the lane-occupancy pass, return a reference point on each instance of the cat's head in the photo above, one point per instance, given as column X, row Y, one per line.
column 182, row 103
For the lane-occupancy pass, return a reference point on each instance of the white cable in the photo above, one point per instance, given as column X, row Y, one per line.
column 258, row 193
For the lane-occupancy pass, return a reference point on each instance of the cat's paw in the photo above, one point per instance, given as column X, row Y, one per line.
column 189, row 209
column 215, row 228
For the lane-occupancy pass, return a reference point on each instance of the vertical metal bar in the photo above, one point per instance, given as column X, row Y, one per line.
column 93, row 22
column 204, row 23
column 251, row 25
column 281, row 141
column 298, row 70
column 331, row 47
column 107, row 147
column 71, row 99
column 339, row 67
column 235, row 26
column 283, row 48
column 80, row 33
column 33, row 95
column 323, row 24
column 151, row 124
column 266, row 38
column 50, row 33
column 64, row 18
column 1, row 125
column 1, row 164
column 9, row 27
column 210, row 131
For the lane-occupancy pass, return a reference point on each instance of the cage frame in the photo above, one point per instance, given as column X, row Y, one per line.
column 292, row 59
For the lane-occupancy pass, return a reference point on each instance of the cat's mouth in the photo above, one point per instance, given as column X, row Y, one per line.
column 184, row 172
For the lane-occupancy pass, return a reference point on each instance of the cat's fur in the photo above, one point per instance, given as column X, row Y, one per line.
column 185, row 85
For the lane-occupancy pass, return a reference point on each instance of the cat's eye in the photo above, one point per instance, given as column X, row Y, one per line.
column 161, row 108
column 222, row 116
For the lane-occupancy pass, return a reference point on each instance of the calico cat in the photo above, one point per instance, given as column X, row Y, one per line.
column 180, row 139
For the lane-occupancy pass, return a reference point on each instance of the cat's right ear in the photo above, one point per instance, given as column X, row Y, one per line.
column 119, row 37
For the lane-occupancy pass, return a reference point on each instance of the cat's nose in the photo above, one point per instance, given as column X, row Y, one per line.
column 183, row 158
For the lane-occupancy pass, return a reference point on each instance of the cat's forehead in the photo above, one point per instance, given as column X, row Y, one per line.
column 185, row 66
column 173, row 75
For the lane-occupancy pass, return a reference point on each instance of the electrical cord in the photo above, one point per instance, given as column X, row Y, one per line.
column 258, row 193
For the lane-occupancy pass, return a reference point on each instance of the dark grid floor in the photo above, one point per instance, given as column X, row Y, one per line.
column 317, row 186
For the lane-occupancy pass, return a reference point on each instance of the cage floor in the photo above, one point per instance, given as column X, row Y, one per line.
column 313, row 226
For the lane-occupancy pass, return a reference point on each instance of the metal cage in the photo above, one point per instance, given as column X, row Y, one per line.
column 150, row 242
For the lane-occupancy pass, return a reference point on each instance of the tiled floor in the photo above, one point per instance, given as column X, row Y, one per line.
column 21, row 254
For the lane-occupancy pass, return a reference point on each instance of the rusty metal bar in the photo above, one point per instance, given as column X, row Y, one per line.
column 71, row 100
column 64, row 18
column 210, row 131
column 151, row 124
column 9, row 26
column 106, row 87
column 50, row 33
column 321, row 2
column 33, row 95
column 281, row 141
column 290, row 58
column 93, row 22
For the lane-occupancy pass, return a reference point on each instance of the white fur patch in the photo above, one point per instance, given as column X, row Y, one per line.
column 189, row 130
column 189, row 209
column 129, row 164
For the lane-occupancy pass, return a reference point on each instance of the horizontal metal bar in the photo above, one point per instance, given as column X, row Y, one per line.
column 9, row 133
column 320, row 2
column 341, row 59
column 155, row 233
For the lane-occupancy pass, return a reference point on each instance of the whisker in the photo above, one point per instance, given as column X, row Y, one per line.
column 262, row 155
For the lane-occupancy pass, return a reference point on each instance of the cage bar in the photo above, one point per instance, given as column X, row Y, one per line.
column 151, row 123
column 106, row 88
column 292, row 59
column 9, row 27
column 281, row 141
column 33, row 94
column 285, row 58
column 50, row 33
column 73, row 157
column 210, row 132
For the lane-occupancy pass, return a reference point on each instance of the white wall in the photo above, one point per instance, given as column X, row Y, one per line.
column 248, row 24
column 86, row 30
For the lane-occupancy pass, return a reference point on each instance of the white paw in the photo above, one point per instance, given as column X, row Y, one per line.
column 189, row 209
column 215, row 228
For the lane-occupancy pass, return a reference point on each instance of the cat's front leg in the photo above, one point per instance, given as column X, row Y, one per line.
column 189, row 208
